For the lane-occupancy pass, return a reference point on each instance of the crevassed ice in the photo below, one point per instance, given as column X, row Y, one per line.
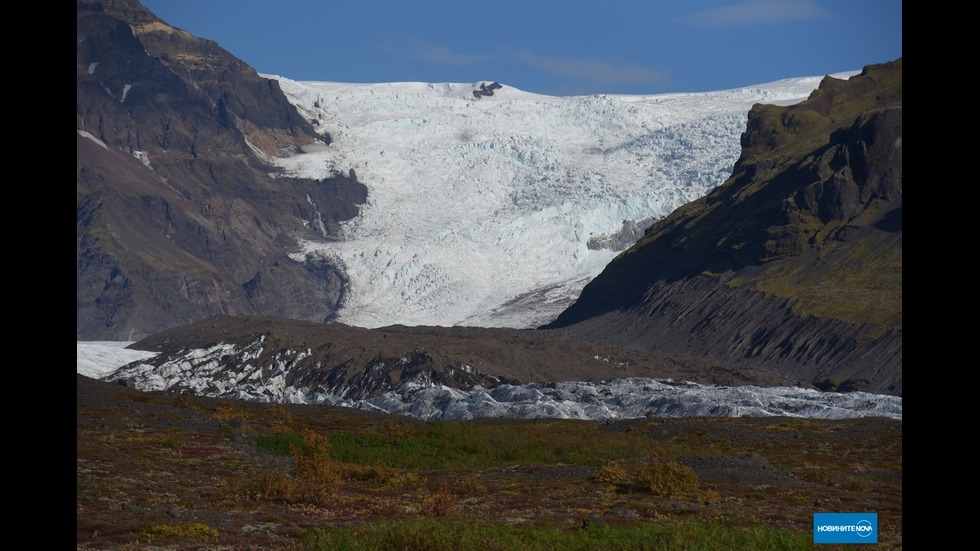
column 479, row 212
column 619, row 398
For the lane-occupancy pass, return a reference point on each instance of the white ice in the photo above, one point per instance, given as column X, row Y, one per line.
column 97, row 359
column 480, row 211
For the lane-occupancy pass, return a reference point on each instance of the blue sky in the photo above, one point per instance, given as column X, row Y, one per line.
column 569, row 47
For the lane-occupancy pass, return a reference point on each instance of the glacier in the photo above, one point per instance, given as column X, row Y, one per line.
column 623, row 398
column 496, row 211
column 627, row 398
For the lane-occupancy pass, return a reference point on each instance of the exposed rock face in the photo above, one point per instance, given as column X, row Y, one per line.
column 486, row 90
column 794, row 265
column 179, row 214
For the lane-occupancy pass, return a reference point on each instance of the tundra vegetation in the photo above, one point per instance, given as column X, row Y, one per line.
column 165, row 471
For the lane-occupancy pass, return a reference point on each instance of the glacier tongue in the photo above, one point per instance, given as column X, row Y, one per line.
column 481, row 211
column 198, row 370
column 619, row 399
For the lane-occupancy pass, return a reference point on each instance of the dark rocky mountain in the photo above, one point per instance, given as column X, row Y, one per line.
column 486, row 90
column 793, row 265
column 179, row 213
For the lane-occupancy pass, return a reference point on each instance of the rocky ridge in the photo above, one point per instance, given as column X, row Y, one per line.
column 180, row 214
column 275, row 360
column 794, row 265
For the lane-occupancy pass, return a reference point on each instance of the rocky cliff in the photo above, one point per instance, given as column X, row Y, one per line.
column 180, row 215
column 793, row 265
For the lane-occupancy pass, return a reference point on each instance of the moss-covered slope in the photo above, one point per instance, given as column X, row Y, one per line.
column 794, row 264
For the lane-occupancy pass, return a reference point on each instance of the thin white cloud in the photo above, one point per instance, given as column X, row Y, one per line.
column 434, row 54
column 588, row 69
column 600, row 71
column 758, row 11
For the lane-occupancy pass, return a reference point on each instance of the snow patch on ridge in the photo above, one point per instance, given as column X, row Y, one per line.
column 86, row 134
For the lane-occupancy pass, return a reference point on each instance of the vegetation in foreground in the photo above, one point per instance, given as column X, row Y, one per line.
column 436, row 535
column 163, row 471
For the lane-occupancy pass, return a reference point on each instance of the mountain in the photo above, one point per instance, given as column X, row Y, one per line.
column 180, row 212
column 204, row 188
column 226, row 214
column 793, row 265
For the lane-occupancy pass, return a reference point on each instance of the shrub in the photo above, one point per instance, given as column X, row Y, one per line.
column 667, row 478
column 277, row 485
column 281, row 420
column 612, row 473
column 470, row 485
column 709, row 496
column 228, row 409
column 658, row 475
column 381, row 474
column 196, row 531
column 315, row 476
column 399, row 430
column 441, row 503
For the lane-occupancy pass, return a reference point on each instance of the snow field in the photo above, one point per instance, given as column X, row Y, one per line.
column 475, row 202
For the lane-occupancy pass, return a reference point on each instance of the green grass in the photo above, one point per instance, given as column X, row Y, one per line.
column 436, row 535
column 480, row 446
column 856, row 282
column 279, row 443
